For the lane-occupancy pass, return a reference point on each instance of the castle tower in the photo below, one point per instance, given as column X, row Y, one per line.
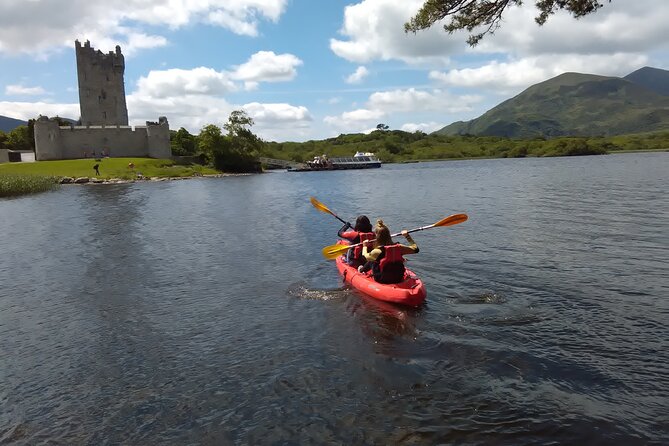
column 101, row 86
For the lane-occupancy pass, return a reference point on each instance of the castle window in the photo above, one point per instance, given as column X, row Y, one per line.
column 104, row 115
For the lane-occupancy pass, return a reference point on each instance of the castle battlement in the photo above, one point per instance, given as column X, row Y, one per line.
column 113, row 59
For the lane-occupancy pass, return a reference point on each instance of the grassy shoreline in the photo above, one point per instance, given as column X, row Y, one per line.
column 13, row 185
column 26, row 178
column 109, row 168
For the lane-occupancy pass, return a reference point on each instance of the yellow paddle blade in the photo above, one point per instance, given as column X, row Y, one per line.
column 333, row 251
column 320, row 206
column 451, row 220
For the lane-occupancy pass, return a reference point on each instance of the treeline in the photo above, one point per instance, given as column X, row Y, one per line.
column 398, row 146
column 20, row 138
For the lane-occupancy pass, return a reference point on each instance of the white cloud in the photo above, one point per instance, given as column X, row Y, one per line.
column 618, row 27
column 505, row 77
column 195, row 98
column 412, row 100
column 41, row 27
column 20, row 90
column 178, row 82
column 265, row 66
column 190, row 111
column 394, row 104
column 354, row 121
column 278, row 115
column 374, row 30
column 358, row 75
column 32, row 110
column 426, row 127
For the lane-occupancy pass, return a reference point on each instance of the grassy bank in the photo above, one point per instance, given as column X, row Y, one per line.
column 109, row 168
column 13, row 185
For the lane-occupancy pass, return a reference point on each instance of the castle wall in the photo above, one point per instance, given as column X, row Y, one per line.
column 101, row 86
column 71, row 142
column 122, row 141
column 48, row 145
column 158, row 139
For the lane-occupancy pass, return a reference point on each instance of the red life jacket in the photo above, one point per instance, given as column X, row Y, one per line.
column 391, row 254
column 389, row 267
column 357, row 251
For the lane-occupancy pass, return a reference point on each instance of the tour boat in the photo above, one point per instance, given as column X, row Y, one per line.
column 361, row 160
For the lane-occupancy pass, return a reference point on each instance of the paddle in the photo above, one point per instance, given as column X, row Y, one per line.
column 321, row 207
column 333, row 251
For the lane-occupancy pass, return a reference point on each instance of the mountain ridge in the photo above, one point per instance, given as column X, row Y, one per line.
column 577, row 104
column 8, row 124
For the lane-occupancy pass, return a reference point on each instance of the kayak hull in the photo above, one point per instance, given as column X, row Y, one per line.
column 410, row 292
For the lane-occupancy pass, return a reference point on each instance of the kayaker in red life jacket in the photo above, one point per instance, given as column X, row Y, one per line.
column 363, row 228
column 385, row 259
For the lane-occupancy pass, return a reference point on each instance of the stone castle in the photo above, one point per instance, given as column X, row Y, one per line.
column 104, row 129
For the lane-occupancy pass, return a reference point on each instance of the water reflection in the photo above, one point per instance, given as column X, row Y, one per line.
column 202, row 311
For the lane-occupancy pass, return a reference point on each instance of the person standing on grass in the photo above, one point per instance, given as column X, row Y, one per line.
column 97, row 169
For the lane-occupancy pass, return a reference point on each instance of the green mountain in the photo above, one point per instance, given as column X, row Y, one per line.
column 8, row 124
column 574, row 104
column 653, row 79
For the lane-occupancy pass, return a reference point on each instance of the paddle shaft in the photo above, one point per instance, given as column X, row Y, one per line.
column 422, row 228
column 321, row 207
column 332, row 251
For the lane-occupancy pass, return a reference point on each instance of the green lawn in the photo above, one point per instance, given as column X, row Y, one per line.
column 109, row 168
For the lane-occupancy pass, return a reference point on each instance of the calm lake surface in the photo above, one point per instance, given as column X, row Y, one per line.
column 202, row 311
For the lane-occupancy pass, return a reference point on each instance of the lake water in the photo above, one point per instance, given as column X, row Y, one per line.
column 202, row 312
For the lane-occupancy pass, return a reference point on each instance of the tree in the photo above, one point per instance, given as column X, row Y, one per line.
column 20, row 139
column 244, row 140
column 471, row 14
column 183, row 143
column 235, row 152
column 237, row 123
column 382, row 127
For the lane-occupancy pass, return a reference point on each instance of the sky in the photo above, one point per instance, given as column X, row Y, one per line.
column 308, row 69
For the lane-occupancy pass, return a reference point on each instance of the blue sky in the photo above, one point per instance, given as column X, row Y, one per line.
column 308, row 69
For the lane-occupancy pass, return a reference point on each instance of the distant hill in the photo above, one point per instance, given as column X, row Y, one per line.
column 653, row 79
column 575, row 104
column 8, row 124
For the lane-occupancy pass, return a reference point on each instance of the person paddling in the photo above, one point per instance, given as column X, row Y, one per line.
column 385, row 259
column 361, row 231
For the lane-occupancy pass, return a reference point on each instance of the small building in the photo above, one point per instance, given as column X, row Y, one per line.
column 16, row 156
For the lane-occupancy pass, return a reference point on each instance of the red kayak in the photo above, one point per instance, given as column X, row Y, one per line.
column 410, row 292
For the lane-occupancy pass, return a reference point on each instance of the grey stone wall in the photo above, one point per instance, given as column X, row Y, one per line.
column 53, row 142
column 101, row 86
column 4, row 157
column 158, row 139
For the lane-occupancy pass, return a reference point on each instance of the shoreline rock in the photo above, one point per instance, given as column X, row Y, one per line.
column 96, row 180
